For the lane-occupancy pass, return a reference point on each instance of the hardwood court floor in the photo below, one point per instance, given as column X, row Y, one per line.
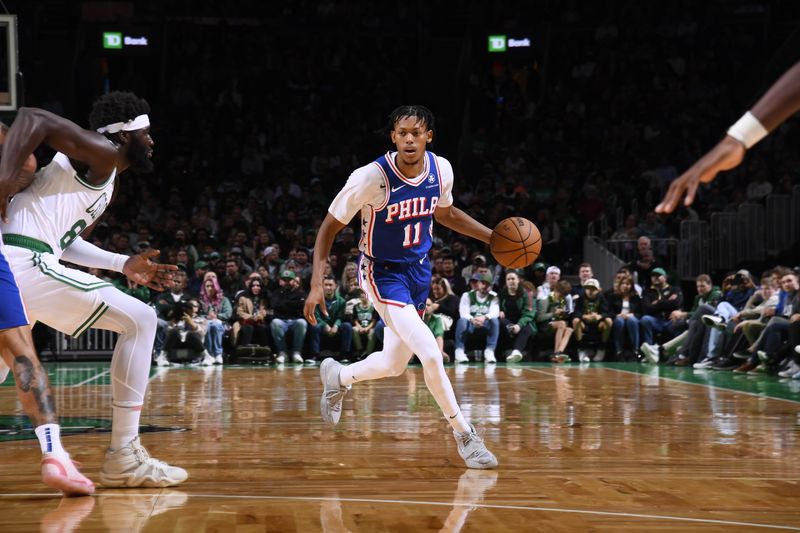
column 581, row 448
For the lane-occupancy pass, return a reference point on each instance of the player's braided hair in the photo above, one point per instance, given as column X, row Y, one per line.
column 420, row 112
column 116, row 106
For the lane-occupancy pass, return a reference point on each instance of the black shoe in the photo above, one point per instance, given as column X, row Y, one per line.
column 672, row 361
column 726, row 364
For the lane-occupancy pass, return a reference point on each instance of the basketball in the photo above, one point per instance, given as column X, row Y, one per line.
column 515, row 242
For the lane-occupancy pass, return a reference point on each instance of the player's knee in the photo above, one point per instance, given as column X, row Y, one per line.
column 397, row 368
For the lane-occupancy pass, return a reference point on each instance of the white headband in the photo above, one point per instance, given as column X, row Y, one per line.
column 142, row 121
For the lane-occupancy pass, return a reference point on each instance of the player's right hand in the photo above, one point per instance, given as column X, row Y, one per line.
column 315, row 298
column 724, row 156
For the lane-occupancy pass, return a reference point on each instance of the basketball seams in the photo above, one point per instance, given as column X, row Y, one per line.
column 521, row 248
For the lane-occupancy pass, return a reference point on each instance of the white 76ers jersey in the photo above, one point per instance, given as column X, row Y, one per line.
column 57, row 206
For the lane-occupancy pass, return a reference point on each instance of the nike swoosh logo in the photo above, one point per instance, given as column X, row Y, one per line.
column 395, row 189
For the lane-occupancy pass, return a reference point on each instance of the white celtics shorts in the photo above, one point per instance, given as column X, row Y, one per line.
column 63, row 298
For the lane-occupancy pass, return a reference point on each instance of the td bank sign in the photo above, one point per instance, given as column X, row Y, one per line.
column 114, row 40
column 501, row 43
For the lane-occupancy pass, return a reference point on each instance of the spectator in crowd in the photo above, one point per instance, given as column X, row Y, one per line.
column 444, row 302
column 745, row 325
column 365, row 317
column 287, row 305
column 591, row 316
column 517, row 316
column 658, row 303
column 253, row 313
column 331, row 325
column 585, row 273
column 449, row 273
column 538, row 276
column 195, row 282
column 479, row 310
column 216, row 308
column 625, row 306
column 552, row 277
column 187, row 329
column 436, row 325
column 553, row 316
column 167, row 304
column 233, row 280
column 685, row 348
column 786, row 312
column 737, row 290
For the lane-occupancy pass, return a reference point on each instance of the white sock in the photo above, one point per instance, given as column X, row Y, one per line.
column 49, row 436
column 124, row 425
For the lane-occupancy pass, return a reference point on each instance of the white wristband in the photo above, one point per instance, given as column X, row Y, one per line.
column 748, row 130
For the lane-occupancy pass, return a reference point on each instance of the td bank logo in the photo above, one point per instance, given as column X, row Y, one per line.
column 497, row 43
column 112, row 40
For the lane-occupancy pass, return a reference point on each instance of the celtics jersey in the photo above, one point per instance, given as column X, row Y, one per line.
column 56, row 207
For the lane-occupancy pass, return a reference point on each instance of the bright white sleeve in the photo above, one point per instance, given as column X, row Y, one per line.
column 365, row 186
column 494, row 308
column 87, row 254
column 463, row 306
column 446, row 170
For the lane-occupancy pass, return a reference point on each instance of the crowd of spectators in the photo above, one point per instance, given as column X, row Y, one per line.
column 606, row 111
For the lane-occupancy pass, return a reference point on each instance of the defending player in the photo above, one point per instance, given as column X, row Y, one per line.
column 781, row 101
column 398, row 196
column 44, row 223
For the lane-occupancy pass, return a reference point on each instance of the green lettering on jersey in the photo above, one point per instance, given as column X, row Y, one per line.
column 72, row 234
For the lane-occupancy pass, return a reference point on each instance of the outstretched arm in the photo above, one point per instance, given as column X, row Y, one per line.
column 457, row 220
column 322, row 248
column 35, row 126
column 781, row 101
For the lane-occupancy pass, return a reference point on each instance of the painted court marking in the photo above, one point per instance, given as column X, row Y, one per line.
column 442, row 504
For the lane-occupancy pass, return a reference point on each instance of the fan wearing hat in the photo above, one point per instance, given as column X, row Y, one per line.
column 287, row 304
column 479, row 311
column 658, row 303
column 592, row 319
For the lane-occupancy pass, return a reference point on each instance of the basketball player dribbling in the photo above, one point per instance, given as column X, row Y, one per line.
column 43, row 224
column 398, row 196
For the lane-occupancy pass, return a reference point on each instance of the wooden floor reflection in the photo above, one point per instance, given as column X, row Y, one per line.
column 580, row 449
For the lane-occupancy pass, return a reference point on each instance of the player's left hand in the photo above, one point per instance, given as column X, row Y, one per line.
column 143, row 271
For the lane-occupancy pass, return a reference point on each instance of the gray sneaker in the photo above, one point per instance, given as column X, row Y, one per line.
column 330, row 405
column 132, row 466
column 472, row 449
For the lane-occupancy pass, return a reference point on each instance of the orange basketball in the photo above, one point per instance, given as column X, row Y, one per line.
column 515, row 242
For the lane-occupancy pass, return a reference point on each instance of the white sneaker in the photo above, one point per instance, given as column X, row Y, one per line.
column 514, row 357
column 132, row 466
column 790, row 371
column 297, row 358
column 650, row 352
column 714, row 321
column 461, row 356
column 333, row 392
column 797, row 349
column 281, row 358
column 161, row 360
column 207, row 360
column 472, row 449
column 583, row 356
column 218, row 359
column 600, row 355
column 488, row 356
column 705, row 363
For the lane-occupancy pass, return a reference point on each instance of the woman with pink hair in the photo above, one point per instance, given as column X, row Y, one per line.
column 217, row 309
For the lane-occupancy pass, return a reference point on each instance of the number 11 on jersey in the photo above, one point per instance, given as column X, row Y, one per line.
column 417, row 235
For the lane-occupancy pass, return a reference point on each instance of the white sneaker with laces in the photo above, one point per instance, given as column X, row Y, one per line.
column 297, row 358
column 488, row 356
column 650, row 352
column 790, row 371
column 583, row 356
column 705, row 363
column 218, row 359
column 161, row 360
column 461, row 356
column 132, row 466
column 600, row 355
column 281, row 358
column 514, row 357
column 207, row 359
column 472, row 449
column 333, row 392
column 714, row 321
